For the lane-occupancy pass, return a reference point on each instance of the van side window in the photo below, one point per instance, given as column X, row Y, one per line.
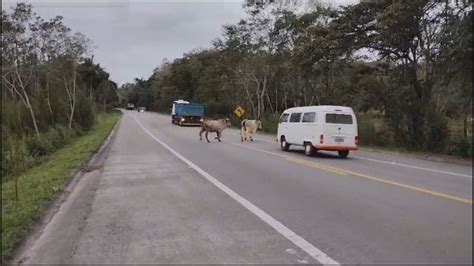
column 309, row 117
column 338, row 119
column 284, row 118
column 295, row 117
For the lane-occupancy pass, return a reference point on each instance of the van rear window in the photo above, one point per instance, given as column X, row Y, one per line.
column 338, row 119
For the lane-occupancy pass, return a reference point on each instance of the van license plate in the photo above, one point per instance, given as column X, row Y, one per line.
column 339, row 139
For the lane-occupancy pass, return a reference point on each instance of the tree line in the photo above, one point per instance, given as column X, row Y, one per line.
column 52, row 90
column 406, row 63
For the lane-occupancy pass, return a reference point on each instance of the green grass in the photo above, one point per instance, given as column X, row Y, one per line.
column 43, row 183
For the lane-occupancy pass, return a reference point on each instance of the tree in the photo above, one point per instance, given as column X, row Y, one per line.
column 17, row 56
column 403, row 34
column 44, row 85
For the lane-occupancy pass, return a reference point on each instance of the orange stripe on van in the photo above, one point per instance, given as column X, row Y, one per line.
column 335, row 148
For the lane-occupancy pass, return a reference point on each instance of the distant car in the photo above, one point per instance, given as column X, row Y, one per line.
column 130, row 106
column 141, row 109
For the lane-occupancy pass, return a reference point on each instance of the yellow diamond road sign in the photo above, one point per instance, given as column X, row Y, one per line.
column 239, row 111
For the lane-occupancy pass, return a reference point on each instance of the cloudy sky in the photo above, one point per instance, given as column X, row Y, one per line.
column 132, row 37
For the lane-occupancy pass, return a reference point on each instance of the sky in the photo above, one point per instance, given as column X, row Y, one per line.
column 132, row 37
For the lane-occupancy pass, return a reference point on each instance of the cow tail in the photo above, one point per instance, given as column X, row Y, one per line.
column 242, row 124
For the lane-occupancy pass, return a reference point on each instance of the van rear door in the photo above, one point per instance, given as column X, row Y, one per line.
column 340, row 129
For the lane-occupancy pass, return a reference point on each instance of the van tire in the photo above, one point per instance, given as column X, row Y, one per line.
column 284, row 145
column 308, row 149
column 343, row 154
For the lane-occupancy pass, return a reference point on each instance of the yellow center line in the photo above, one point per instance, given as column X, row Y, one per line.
column 316, row 165
column 341, row 171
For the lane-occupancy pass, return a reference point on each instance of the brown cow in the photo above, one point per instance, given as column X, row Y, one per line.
column 214, row 126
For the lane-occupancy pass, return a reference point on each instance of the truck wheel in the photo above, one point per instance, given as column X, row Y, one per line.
column 343, row 154
column 308, row 149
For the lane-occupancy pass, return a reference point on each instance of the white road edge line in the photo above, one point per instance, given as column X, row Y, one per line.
column 412, row 166
column 387, row 162
column 300, row 242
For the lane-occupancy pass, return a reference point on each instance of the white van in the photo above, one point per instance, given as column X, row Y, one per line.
column 323, row 127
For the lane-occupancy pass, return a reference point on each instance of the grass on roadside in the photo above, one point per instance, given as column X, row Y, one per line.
column 43, row 183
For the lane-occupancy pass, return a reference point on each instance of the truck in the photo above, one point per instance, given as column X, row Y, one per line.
column 187, row 113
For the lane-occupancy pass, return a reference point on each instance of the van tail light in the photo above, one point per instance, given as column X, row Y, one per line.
column 356, row 140
column 321, row 139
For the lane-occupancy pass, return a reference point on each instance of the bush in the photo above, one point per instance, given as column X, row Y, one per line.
column 373, row 131
column 84, row 114
column 14, row 115
column 270, row 123
column 436, row 132
column 55, row 139
column 63, row 134
column 216, row 108
column 15, row 156
column 39, row 147
column 235, row 121
column 22, row 152
column 461, row 147
column 367, row 132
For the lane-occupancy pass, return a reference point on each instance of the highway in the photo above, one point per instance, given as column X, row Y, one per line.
column 163, row 196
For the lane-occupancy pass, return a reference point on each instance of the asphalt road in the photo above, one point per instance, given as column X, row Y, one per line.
column 234, row 202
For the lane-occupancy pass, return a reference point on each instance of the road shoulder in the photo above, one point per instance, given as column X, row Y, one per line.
column 150, row 207
column 78, row 189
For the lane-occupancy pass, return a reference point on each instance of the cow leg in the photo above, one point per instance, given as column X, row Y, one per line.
column 219, row 136
column 207, row 133
column 241, row 134
column 200, row 134
column 251, row 134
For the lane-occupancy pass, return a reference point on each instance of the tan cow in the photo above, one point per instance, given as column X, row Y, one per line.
column 248, row 128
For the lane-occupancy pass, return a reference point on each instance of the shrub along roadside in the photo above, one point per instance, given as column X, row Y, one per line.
column 41, row 184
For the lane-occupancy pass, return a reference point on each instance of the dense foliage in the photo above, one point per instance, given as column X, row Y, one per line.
column 404, row 66
column 51, row 91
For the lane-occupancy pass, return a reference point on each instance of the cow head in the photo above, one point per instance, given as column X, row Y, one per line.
column 227, row 122
column 259, row 124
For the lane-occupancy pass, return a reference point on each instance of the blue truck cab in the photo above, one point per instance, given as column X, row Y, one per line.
column 186, row 113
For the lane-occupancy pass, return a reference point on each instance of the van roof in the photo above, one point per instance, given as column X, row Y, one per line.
column 320, row 108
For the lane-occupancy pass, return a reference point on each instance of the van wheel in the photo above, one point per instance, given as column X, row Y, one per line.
column 343, row 154
column 308, row 149
column 284, row 145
